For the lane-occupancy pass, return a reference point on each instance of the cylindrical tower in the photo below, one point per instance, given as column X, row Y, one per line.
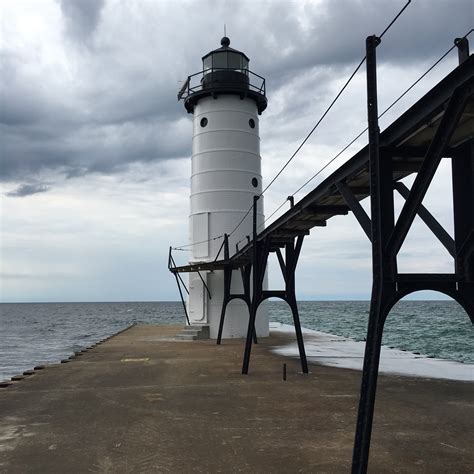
column 226, row 100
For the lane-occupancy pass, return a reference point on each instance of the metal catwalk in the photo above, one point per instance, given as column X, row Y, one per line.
column 440, row 125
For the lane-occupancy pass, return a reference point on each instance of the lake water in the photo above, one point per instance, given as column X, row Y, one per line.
column 36, row 333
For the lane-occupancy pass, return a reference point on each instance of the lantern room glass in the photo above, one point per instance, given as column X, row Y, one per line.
column 225, row 60
column 207, row 63
column 234, row 61
column 219, row 60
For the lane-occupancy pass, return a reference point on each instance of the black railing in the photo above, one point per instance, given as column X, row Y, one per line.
column 209, row 78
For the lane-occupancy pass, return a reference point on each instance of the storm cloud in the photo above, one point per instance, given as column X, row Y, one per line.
column 99, row 108
column 81, row 17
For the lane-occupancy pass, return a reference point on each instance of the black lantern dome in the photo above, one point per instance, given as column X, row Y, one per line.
column 224, row 71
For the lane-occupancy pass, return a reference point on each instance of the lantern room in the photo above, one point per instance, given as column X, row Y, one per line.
column 224, row 71
column 225, row 58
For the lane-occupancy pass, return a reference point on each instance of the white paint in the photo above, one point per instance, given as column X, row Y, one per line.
column 338, row 351
column 226, row 157
column 200, row 227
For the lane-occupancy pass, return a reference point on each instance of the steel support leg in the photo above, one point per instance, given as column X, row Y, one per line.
column 225, row 302
column 387, row 240
column 369, row 381
column 255, row 290
column 299, row 334
column 228, row 297
column 261, row 250
column 248, row 342
column 292, row 255
column 227, row 284
column 246, row 273
column 381, row 200
column 463, row 208
column 252, row 318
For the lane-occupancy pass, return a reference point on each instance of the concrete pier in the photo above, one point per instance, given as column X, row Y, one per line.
column 143, row 402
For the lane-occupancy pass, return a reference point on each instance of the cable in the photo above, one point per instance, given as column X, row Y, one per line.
column 273, row 213
column 395, row 19
column 243, row 218
column 183, row 247
column 315, row 175
column 317, row 124
column 424, row 74
column 334, row 101
column 363, row 131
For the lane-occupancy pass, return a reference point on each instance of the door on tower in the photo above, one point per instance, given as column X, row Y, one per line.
column 197, row 305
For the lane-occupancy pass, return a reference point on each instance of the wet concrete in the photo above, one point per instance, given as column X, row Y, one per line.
column 142, row 402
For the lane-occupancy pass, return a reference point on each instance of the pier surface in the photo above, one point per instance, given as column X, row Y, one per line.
column 142, row 402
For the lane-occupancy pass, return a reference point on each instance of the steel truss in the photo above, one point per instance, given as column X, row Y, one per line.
column 254, row 294
column 387, row 235
column 245, row 271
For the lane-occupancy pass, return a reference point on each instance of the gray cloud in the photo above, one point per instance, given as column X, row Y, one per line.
column 32, row 151
column 115, row 104
column 45, row 126
column 287, row 41
column 27, row 190
column 81, row 16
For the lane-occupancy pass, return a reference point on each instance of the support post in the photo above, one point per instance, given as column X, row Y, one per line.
column 227, row 284
column 463, row 48
column 292, row 255
column 463, row 209
column 463, row 204
column 255, row 292
column 376, row 321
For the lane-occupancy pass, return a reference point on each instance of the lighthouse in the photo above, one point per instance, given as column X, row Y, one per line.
column 226, row 100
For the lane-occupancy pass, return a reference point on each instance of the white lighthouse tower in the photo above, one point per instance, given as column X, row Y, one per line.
column 226, row 100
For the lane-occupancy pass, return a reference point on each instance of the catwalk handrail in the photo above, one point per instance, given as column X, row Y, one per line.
column 256, row 83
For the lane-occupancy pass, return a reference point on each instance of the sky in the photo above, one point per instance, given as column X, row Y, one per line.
column 95, row 148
